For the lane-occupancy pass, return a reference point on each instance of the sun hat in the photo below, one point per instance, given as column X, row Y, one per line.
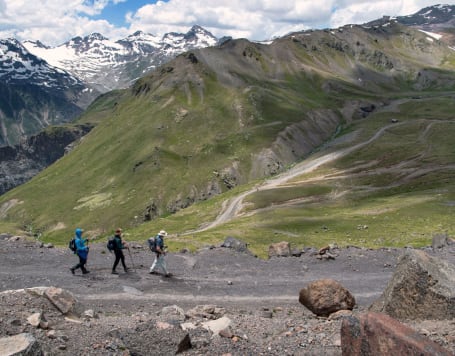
column 162, row 233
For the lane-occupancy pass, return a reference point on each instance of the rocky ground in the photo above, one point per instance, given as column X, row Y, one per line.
column 136, row 313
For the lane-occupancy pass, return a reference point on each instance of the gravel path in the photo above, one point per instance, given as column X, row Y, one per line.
column 260, row 297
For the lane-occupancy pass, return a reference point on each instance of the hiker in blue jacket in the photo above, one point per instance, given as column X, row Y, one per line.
column 81, row 251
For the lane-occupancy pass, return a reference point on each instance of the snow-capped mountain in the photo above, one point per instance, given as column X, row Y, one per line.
column 18, row 65
column 35, row 94
column 437, row 14
column 106, row 65
column 438, row 19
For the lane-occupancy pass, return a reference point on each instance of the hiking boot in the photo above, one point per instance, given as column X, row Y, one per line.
column 126, row 270
column 114, row 272
column 152, row 272
column 168, row 275
column 72, row 270
column 85, row 272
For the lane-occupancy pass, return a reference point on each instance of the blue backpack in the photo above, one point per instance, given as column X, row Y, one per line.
column 153, row 242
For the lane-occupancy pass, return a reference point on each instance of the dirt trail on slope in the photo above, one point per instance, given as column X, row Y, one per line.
column 232, row 208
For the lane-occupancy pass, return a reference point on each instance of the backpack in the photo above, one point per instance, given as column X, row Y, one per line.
column 111, row 244
column 152, row 244
column 72, row 245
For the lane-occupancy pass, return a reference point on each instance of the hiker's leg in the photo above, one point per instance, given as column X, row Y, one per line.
column 117, row 260
column 122, row 258
column 82, row 263
column 155, row 262
column 162, row 264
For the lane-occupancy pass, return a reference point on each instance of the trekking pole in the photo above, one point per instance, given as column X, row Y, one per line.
column 132, row 261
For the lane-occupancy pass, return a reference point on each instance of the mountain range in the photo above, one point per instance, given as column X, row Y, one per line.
column 339, row 134
column 107, row 65
column 44, row 85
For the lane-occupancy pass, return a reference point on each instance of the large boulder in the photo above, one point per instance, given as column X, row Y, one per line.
column 20, row 345
column 235, row 244
column 422, row 287
column 280, row 249
column 375, row 334
column 63, row 300
column 326, row 296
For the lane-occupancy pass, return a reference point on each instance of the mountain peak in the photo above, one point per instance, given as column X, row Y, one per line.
column 436, row 14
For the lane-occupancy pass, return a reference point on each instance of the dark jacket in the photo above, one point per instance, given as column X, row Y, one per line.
column 118, row 243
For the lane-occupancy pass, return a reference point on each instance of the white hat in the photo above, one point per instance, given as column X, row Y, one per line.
column 162, row 233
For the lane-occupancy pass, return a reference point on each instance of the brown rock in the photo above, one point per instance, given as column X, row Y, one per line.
column 280, row 249
column 422, row 287
column 376, row 334
column 326, row 296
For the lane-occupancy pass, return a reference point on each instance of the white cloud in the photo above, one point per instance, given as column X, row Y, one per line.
column 56, row 21
column 53, row 21
column 254, row 19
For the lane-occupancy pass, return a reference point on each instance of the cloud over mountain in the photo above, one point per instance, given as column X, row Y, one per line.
column 55, row 22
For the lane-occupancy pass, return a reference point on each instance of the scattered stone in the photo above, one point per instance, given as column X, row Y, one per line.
column 171, row 313
column 34, row 319
column 326, row 296
column 206, row 311
column 51, row 334
column 161, row 325
column 18, row 345
column 227, row 333
column 184, row 344
column 48, row 245
column 89, row 313
column 440, row 241
column 323, row 250
column 377, row 334
column 215, row 326
column 15, row 322
column 235, row 244
column 422, row 287
column 187, row 326
column 280, row 249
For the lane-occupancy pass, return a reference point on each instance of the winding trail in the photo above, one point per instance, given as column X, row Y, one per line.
column 231, row 208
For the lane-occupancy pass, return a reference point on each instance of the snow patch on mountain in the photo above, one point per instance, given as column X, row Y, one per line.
column 108, row 65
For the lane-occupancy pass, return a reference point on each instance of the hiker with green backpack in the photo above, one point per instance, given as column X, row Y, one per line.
column 81, row 249
column 118, row 246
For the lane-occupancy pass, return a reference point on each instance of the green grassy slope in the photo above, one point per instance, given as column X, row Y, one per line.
column 190, row 135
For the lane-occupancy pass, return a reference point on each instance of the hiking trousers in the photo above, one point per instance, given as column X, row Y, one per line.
column 119, row 256
column 81, row 264
column 159, row 263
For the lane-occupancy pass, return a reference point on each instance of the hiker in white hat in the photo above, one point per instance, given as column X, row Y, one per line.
column 159, row 262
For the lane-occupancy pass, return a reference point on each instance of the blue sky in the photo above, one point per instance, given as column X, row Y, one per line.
column 116, row 13
column 54, row 22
